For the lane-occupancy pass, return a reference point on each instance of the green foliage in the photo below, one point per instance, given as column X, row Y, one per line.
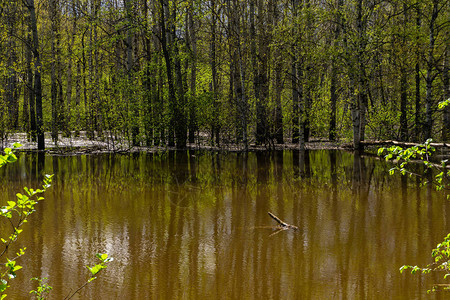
column 9, row 156
column 423, row 152
column 104, row 259
column 16, row 213
column 42, row 289
column 441, row 256
column 444, row 103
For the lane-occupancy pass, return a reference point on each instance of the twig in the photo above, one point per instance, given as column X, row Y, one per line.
column 79, row 289
column 278, row 231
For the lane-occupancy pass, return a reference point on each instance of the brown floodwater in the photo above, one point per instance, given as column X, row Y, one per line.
column 194, row 225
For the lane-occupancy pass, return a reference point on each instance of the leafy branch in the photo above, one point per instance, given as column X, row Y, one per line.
column 104, row 259
column 423, row 152
column 16, row 213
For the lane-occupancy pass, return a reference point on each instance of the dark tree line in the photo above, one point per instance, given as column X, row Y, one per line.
column 172, row 72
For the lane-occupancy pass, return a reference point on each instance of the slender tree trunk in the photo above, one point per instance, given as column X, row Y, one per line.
column 180, row 117
column 149, row 125
column 69, row 67
column 130, row 95
column 305, row 117
column 278, row 108
column 27, row 87
column 30, row 84
column 169, row 65
column 295, row 77
column 242, row 105
column 430, row 72
column 238, row 72
column 37, row 74
column 332, row 134
column 403, row 80
column 259, row 61
column 11, row 93
column 193, row 127
column 333, row 102
column 180, row 123
column 278, row 82
column 403, row 105
column 215, row 124
column 301, row 103
column 417, row 113
column 359, row 105
column 295, row 102
column 53, row 66
column 446, row 114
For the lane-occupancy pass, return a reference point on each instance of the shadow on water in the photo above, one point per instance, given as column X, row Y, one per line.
column 194, row 225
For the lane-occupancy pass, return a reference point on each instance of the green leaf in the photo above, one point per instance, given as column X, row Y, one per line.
column 3, row 286
column 95, row 269
column 11, row 158
column 403, row 268
column 16, row 268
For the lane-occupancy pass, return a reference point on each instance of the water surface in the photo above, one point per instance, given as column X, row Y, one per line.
column 194, row 225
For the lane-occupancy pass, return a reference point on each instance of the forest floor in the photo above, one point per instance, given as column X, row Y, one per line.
column 82, row 144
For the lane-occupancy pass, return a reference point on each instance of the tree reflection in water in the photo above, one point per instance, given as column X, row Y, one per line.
column 194, row 225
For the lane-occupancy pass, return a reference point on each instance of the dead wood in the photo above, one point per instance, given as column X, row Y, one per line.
column 281, row 223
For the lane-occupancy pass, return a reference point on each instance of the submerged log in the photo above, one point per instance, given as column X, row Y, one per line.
column 281, row 223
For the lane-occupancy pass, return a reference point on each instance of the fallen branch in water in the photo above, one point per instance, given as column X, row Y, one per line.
column 282, row 224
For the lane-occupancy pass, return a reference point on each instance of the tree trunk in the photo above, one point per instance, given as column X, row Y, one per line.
column 446, row 114
column 295, row 77
column 69, row 68
column 241, row 93
column 417, row 113
column 430, row 72
column 27, row 87
column 30, row 85
column 332, row 134
column 238, row 73
column 37, row 74
column 259, row 61
column 11, row 93
column 403, row 80
column 359, row 105
column 54, row 69
column 167, row 52
column 130, row 95
column 403, row 105
column 193, row 127
column 215, row 122
column 309, row 74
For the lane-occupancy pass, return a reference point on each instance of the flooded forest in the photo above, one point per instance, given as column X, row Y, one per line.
column 224, row 72
column 224, row 149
